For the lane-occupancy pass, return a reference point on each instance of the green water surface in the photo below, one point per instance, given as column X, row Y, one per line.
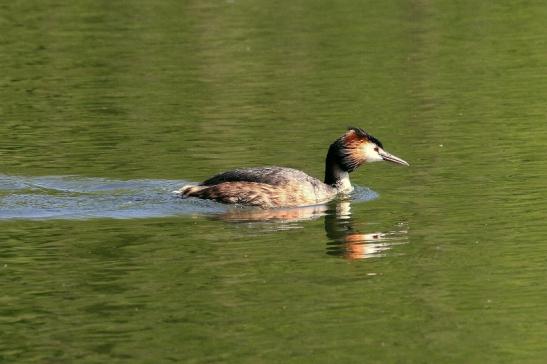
column 447, row 265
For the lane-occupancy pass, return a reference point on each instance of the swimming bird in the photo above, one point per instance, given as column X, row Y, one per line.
column 269, row 187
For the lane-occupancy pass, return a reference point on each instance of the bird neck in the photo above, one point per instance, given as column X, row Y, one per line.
column 335, row 175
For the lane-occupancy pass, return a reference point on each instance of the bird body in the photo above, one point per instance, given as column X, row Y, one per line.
column 269, row 187
column 264, row 187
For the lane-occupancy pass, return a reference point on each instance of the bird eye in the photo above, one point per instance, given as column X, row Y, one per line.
column 376, row 149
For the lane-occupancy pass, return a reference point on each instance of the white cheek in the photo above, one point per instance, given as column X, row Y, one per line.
column 370, row 154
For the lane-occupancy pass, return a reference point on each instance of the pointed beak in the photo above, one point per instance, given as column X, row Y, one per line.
column 391, row 158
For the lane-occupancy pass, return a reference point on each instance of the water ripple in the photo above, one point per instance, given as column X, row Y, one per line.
column 74, row 197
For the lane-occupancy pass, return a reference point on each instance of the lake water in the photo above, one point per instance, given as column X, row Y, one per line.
column 106, row 107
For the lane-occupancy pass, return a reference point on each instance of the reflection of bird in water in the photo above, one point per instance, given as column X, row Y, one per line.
column 294, row 214
column 268, row 187
column 343, row 239
column 351, row 244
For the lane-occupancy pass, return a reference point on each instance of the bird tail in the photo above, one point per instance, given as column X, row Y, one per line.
column 189, row 191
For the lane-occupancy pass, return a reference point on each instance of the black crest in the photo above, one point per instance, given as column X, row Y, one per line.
column 360, row 132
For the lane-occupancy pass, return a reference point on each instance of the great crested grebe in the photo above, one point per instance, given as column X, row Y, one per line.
column 269, row 187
